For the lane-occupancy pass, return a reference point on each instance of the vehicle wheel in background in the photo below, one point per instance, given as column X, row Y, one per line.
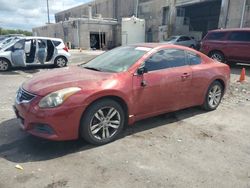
column 213, row 96
column 4, row 65
column 60, row 62
column 102, row 122
column 216, row 55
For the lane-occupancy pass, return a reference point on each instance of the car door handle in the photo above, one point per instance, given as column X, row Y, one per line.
column 143, row 83
column 185, row 76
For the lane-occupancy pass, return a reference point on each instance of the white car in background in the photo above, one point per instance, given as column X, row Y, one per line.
column 182, row 40
column 28, row 51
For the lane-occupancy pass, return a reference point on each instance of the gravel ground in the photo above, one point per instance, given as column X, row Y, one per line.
column 188, row 148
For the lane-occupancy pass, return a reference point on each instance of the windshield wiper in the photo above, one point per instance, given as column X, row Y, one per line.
column 98, row 69
column 92, row 68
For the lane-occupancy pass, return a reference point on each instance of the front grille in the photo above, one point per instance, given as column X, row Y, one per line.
column 24, row 96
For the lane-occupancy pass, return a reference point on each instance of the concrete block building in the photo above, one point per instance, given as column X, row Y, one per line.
column 98, row 24
column 192, row 17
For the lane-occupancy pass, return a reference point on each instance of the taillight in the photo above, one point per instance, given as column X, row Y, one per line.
column 66, row 49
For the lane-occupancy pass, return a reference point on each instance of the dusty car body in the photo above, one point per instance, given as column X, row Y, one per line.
column 182, row 40
column 124, row 85
column 29, row 51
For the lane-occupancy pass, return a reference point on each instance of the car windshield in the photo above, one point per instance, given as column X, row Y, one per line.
column 172, row 38
column 117, row 60
column 8, row 43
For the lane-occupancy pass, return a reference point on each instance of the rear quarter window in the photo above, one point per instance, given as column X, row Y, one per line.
column 193, row 58
column 215, row 36
column 56, row 43
column 243, row 36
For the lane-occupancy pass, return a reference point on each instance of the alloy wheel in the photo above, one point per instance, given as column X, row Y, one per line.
column 3, row 65
column 214, row 96
column 105, row 123
column 60, row 62
column 217, row 57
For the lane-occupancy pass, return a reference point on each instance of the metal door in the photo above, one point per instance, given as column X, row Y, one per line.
column 18, row 54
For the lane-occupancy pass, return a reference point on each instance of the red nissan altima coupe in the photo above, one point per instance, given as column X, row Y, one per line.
column 95, row 100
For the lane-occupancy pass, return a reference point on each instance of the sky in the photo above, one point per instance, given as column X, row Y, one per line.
column 26, row 14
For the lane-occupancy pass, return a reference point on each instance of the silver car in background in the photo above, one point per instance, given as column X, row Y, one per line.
column 182, row 40
column 27, row 51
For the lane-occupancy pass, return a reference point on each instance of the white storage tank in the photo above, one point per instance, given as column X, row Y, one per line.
column 133, row 30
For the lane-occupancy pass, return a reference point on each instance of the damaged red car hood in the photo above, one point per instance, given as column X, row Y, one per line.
column 75, row 76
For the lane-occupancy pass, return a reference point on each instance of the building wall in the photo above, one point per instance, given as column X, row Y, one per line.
column 229, row 15
column 78, row 32
column 158, row 25
column 234, row 13
column 106, row 8
column 124, row 8
column 103, row 7
column 152, row 11
column 86, row 29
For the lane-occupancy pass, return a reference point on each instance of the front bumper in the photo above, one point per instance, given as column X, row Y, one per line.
column 60, row 123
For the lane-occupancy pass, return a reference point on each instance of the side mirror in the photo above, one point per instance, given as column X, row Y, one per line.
column 142, row 70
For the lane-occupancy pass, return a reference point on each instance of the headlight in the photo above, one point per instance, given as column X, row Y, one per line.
column 57, row 98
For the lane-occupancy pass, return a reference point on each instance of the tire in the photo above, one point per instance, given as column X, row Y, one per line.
column 213, row 96
column 96, row 127
column 216, row 55
column 60, row 61
column 4, row 65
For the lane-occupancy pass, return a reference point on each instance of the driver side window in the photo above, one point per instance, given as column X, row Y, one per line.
column 164, row 59
column 19, row 45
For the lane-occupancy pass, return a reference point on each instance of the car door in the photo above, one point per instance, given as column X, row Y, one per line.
column 56, row 45
column 18, row 56
column 42, row 51
column 165, row 87
column 51, row 50
column 200, row 79
column 238, row 45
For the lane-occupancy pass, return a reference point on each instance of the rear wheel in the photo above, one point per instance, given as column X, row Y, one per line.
column 60, row 61
column 213, row 96
column 4, row 65
column 102, row 122
column 216, row 55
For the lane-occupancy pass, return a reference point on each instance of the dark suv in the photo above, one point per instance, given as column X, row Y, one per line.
column 227, row 45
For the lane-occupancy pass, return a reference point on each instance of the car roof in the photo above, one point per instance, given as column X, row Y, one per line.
column 45, row 38
column 230, row 29
column 161, row 45
column 147, row 45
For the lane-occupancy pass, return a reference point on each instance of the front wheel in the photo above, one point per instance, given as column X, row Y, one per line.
column 60, row 62
column 4, row 65
column 102, row 122
column 213, row 96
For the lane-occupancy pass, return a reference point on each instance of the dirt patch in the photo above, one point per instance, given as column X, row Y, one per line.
column 237, row 93
column 205, row 135
column 24, row 178
column 59, row 183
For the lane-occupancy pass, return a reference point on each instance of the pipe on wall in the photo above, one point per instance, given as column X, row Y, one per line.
column 243, row 14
